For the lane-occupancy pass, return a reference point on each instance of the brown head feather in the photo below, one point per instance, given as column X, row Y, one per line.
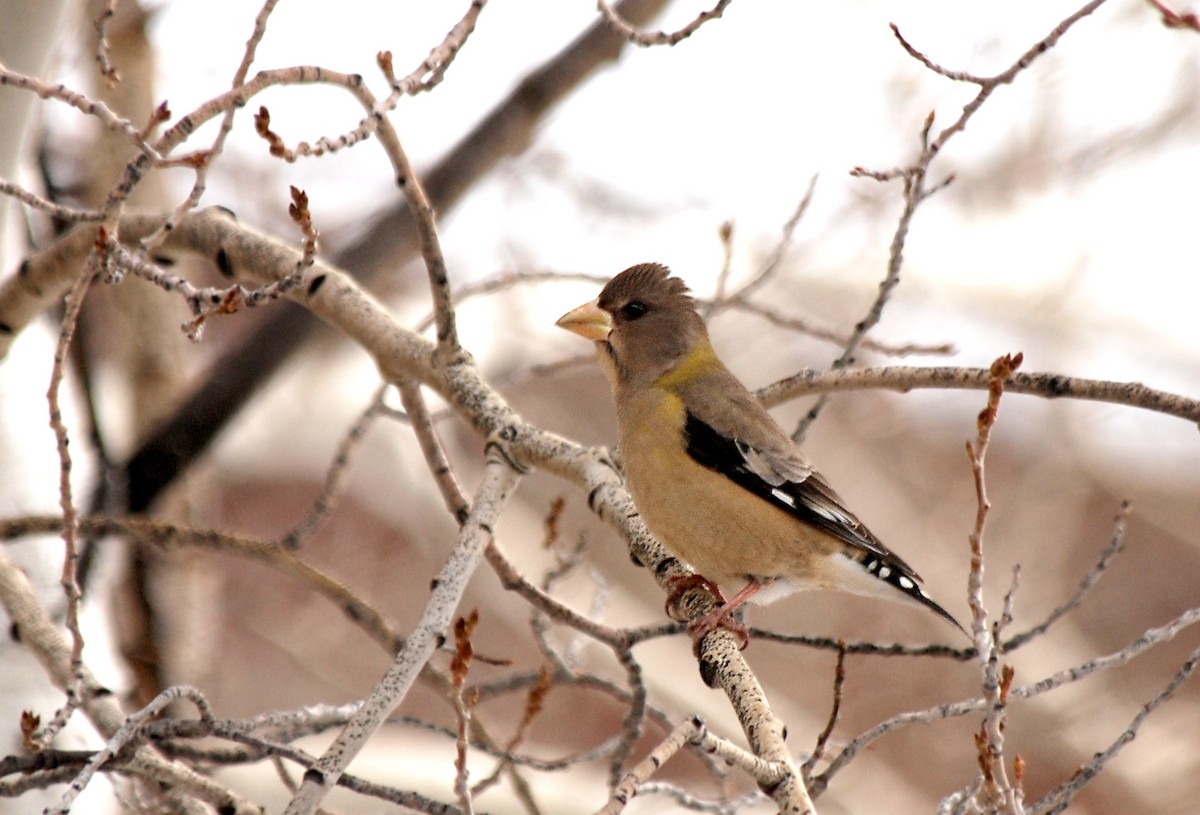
column 655, row 323
column 647, row 282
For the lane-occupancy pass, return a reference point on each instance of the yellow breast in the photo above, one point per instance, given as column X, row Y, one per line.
column 725, row 532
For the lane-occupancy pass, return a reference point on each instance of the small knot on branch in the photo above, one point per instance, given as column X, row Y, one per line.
column 1002, row 369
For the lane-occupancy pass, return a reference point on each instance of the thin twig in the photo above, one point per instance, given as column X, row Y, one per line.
column 778, row 252
column 203, row 302
column 44, row 638
column 793, row 323
column 635, row 717
column 512, row 580
column 336, row 476
column 163, row 534
column 54, row 209
column 1175, row 19
column 100, row 25
column 725, row 233
column 658, row 37
column 691, row 731
column 839, row 683
column 1148, row 639
column 534, row 702
column 499, row 480
column 84, row 105
column 69, row 577
column 1085, row 585
column 459, row 667
column 997, row 791
column 123, row 737
column 914, row 177
column 206, row 157
column 426, row 76
column 433, row 450
column 1060, row 797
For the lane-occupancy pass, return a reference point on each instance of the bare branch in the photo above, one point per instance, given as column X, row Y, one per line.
column 1046, row 385
column 114, row 241
column 1175, row 19
column 691, row 731
column 45, row 640
column 84, row 105
column 336, row 476
column 778, row 252
column 1060, row 797
column 166, row 535
column 499, row 480
column 60, row 211
column 1089, row 580
column 69, row 578
column 459, row 667
column 996, row 679
column 988, row 85
column 426, row 76
column 122, row 738
column 1134, row 649
column 803, row 326
column 100, row 24
column 839, row 683
column 914, row 179
column 207, row 156
column 658, row 37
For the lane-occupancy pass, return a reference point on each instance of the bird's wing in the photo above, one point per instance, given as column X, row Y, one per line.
column 727, row 430
column 783, row 479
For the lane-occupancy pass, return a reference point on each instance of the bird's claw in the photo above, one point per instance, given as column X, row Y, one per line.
column 721, row 617
column 684, row 583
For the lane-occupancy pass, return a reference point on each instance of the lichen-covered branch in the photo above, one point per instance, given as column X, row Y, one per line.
column 1046, row 385
column 498, row 482
column 46, row 641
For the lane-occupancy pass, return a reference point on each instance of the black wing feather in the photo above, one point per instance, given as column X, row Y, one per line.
column 809, row 500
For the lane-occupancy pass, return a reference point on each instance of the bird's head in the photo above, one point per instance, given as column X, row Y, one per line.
column 644, row 323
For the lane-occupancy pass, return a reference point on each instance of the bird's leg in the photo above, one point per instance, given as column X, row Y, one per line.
column 722, row 617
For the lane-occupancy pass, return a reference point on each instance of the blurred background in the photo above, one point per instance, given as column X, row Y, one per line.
column 1067, row 234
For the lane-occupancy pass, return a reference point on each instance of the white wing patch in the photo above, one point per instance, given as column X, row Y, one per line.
column 873, row 578
column 759, row 464
column 831, row 513
column 790, row 500
column 778, row 471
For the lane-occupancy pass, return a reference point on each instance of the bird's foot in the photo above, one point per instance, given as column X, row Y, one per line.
column 720, row 617
column 683, row 584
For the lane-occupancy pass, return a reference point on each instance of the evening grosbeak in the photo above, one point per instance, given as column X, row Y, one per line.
column 713, row 476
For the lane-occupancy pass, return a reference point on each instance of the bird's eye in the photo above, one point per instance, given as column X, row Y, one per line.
column 633, row 309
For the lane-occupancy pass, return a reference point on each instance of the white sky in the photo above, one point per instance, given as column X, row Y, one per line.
column 733, row 123
column 1086, row 243
column 1085, row 260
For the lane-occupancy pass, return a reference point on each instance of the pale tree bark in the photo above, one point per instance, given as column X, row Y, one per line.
column 167, row 269
column 29, row 37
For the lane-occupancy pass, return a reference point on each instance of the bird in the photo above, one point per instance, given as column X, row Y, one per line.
column 711, row 473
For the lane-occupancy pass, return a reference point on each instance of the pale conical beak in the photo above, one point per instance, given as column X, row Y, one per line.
column 588, row 321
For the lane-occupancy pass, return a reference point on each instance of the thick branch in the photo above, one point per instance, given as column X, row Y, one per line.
column 498, row 482
column 389, row 242
column 37, row 631
column 1050, row 386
